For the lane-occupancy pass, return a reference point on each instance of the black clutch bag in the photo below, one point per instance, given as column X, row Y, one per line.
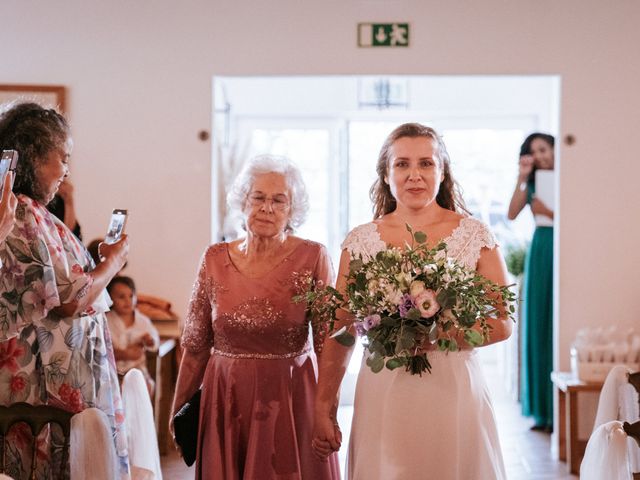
column 185, row 427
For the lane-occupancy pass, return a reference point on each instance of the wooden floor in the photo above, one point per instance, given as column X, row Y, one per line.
column 173, row 468
column 527, row 454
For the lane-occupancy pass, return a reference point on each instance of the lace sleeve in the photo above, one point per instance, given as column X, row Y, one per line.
column 198, row 330
column 323, row 273
column 363, row 242
column 468, row 240
column 486, row 237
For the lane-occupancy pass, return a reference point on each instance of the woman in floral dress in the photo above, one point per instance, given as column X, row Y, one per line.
column 55, row 347
column 247, row 343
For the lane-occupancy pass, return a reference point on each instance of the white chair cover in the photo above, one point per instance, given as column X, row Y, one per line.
column 607, row 455
column 619, row 401
column 144, row 456
column 609, row 402
column 92, row 448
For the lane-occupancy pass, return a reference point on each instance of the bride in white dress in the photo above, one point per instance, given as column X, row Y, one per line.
column 439, row 425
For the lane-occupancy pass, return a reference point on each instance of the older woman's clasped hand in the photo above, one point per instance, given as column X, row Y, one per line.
column 327, row 436
column 8, row 204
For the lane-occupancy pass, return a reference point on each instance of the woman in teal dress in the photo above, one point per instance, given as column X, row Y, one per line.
column 536, row 153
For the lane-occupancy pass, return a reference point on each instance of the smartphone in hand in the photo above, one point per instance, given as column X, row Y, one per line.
column 116, row 226
column 8, row 163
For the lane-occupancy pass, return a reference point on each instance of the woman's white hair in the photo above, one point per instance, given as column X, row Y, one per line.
column 262, row 164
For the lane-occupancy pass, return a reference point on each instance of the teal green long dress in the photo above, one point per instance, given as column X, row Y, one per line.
column 537, row 328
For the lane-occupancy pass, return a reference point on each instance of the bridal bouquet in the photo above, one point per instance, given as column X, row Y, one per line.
column 404, row 300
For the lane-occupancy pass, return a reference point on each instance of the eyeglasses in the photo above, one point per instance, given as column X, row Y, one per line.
column 278, row 202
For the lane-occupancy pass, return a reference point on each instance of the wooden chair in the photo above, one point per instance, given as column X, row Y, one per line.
column 36, row 416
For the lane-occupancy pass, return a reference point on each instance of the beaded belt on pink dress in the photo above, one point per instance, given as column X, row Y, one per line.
column 262, row 356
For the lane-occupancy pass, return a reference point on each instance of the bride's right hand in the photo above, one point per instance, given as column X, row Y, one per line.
column 326, row 437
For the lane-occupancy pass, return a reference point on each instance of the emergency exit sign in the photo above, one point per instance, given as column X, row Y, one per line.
column 383, row 34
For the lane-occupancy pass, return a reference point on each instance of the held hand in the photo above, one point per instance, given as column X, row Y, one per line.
column 525, row 166
column 539, row 208
column 326, row 437
column 8, row 204
column 116, row 252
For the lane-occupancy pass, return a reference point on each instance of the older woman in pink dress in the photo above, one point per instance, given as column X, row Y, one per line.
column 247, row 344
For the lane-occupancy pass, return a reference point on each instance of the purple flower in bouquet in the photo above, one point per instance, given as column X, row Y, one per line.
column 370, row 321
column 427, row 303
column 407, row 304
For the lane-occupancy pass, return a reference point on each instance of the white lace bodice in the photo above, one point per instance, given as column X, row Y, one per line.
column 463, row 245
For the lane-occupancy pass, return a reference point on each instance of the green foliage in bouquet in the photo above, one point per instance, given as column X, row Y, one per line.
column 405, row 300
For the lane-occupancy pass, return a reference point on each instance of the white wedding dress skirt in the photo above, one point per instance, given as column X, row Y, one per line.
column 439, row 426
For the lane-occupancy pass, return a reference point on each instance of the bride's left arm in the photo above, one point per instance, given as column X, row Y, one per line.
column 491, row 265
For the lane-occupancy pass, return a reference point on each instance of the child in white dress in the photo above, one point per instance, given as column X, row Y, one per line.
column 132, row 332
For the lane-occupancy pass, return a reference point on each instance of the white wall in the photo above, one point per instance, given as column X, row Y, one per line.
column 139, row 76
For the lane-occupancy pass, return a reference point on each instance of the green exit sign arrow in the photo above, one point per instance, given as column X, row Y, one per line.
column 383, row 34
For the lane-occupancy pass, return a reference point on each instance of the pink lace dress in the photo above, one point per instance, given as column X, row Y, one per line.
column 438, row 426
column 256, row 415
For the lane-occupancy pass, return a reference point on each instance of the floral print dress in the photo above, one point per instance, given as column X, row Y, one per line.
column 45, row 358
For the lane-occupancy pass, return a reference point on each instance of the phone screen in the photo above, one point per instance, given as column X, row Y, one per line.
column 116, row 226
column 12, row 157
column 5, row 163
